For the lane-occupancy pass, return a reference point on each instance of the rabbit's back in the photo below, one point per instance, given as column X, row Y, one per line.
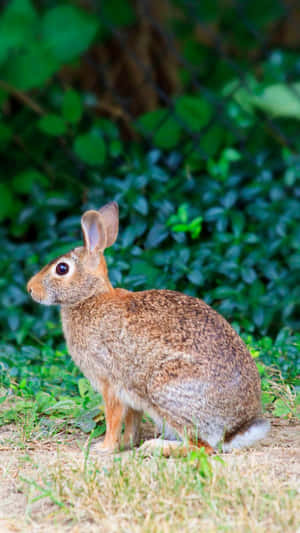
column 183, row 323
column 134, row 335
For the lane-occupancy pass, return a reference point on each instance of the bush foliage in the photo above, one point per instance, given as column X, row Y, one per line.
column 211, row 206
column 232, row 241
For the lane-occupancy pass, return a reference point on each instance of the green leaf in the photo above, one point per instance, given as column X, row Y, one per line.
column 24, row 181
column 72, row 107
column 280, row 100
column 43, row 401
column 214, row 213
column 30, row 67
column 22, row 8
column 17, row 26
column 107, row 128
column 294, row 261
column 280, row 408
column 3, row 398
column 162, row 126
column 115, row 148
column 168, row 134
column 68, row 31
column 143, row 268
column 211, row 140
column 118, row 13
column 196, row 277
column 86, row 422
column 258, row 316
column 243, row 96
column 255, row 353
column 83, row 387
column 238, row 222
column 64, row 406
column 5, row 135
column 230, row 154
column 194, row 111
column 6, row 202
column 223, row 292
column 90, row 148
column 52, row 125
column 183, row 211
column 141, row 205
column 181, row 217
column 61, row 250
column 180, row 227
column 248, row 274
column 156, row 235
column 266, row 398
column 132, row 232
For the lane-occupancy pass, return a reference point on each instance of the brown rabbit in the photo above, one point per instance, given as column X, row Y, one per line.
column 158, row 351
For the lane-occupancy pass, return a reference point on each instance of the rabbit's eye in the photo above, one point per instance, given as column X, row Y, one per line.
column 62, row 269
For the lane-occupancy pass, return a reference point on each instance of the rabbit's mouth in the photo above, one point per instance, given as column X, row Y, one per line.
column 43, row 301
column 38, row 293
column 39, row 298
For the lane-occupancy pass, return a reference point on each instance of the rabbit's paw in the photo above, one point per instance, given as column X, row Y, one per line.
column 163, row 447
column 101, row 448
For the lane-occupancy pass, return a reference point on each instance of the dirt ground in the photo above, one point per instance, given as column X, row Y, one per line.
column 280, row 451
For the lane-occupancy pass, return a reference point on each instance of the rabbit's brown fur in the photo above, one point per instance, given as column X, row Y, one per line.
column 158, row 351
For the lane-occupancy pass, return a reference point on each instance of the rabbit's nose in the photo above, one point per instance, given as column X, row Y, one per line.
column 29, row 287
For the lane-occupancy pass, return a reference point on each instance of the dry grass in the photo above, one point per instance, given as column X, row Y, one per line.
column 60, row 489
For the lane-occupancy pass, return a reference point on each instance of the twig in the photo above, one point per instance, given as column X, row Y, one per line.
column 23, row 97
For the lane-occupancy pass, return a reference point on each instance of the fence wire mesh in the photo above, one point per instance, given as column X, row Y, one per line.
column 183, row 111
column 190, row 76
column 195, row 68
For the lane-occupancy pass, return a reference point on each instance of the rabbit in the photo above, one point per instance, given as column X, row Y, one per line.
column 157, row 351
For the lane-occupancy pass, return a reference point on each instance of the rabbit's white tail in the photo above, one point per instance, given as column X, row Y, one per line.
column 246, row 437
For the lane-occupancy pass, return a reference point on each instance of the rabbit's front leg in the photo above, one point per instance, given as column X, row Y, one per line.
column 114, row 414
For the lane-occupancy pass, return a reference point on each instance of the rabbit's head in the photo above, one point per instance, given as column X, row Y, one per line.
column 82, row 272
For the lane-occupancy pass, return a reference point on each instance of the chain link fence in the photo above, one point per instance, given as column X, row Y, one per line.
column 186, row 76
column 184, row 111
column 183, row 75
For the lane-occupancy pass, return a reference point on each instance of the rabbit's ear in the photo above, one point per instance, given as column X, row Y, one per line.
column 109, row 214
column 93, row 230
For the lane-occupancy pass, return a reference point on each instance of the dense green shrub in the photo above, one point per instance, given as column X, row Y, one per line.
column 211, row 206
column 245, row 261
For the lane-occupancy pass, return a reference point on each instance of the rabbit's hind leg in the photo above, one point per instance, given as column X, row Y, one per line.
column 171, row 448
column 132, row 421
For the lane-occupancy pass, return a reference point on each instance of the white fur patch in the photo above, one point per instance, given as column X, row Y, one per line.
column 255, row 432
column 159, row 446
column 131, row 399
column 45, row 301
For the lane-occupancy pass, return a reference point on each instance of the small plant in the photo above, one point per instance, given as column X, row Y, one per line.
column 179, row 222
column 278, row 397
column 220, row 168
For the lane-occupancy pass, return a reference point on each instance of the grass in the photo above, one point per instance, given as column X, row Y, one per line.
column 50, row 482
column 242, row 492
